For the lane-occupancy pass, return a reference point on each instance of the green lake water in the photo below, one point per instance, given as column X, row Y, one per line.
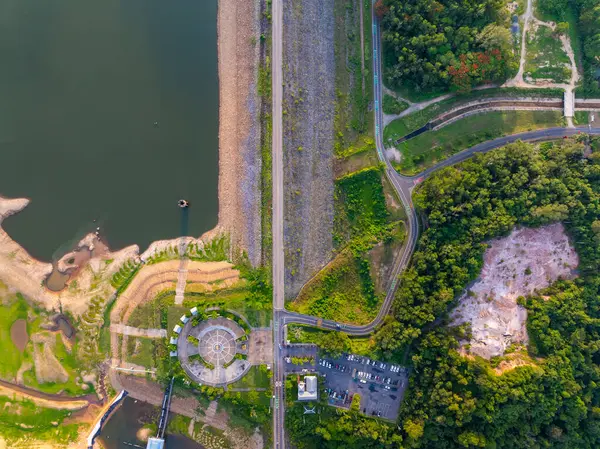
column 82, row 84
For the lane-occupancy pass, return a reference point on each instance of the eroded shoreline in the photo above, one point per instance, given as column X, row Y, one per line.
column 239, row 190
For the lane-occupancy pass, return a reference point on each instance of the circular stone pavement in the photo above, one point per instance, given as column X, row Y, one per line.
column 217, row 347
column 217, row 344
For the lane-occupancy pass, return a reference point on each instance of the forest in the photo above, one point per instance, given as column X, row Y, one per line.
column 432, row 45
column 461, row 402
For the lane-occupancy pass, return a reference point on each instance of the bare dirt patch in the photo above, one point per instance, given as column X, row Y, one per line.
column 525, row 261
column 19, row 335
column 260, row 348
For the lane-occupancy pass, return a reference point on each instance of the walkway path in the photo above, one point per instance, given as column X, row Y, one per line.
column 181, row 280
column 137, row 332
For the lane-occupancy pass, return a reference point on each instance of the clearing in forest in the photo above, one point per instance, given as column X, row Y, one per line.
column 546, row 57
column 525, row 261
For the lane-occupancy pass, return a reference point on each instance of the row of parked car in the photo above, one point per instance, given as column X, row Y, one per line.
column 324, row 363
column 364, row 376
column 342, row 396
column 374, row 363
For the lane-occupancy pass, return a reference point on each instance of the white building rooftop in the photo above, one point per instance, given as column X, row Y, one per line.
column 155, row 443
column 177, row 329
column 307, row 389
column 173, row 340
column 184, row 319
column 194, row 311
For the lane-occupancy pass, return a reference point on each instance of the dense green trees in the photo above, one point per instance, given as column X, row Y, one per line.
column 431, row 44
column 553, row 401
column 335, row 343
column 455, row 402
column 589, row 27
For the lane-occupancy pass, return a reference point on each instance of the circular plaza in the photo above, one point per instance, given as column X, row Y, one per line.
column 213, row 351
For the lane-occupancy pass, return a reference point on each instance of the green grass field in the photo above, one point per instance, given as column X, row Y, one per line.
column 162, row 313
column 13, row 309
column 142, row 351
column 428, row 148
column 405, row 125
column 305, row 334
column 337, row 293
column 353, row 123
column 257, row 377
column 546, row 58
column 22, row 421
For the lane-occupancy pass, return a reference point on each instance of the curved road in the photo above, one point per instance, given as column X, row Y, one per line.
column 403, row 186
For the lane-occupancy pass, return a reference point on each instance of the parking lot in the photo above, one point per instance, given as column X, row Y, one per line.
column 380, row 385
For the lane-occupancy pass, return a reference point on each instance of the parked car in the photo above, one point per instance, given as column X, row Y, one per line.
column 362, row 381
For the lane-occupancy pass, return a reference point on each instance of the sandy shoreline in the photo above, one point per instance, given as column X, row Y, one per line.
column 238, row 30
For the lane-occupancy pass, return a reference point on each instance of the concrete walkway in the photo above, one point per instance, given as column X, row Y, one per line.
column 181, row 281
column 137, row 332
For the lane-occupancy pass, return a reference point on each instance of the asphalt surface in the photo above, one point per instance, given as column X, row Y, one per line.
column 376, row 399
column 403, row 185
column 278, row 258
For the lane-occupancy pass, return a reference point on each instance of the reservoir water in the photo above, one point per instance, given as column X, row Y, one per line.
column 108, row 112
column 120, row 431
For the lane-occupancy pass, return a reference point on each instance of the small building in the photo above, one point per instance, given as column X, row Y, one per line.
column 194, row 311
column 177, row 329
column 155, row 443
column 307, row 389
column 173, row 353
column 173, row 340
column 184, row 319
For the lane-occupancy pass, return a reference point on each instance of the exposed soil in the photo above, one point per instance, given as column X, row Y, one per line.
column 308, row 132
column 19, row 335
column 260, row 347
column 518, row 265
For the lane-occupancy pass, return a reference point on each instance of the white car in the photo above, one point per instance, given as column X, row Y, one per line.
column 362, row 381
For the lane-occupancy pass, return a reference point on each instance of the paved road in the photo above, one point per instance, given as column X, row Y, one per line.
column 278, row 259
column 403, row 186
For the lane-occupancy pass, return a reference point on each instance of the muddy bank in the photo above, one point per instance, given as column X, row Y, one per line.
column 238, row 28
column 19, row 335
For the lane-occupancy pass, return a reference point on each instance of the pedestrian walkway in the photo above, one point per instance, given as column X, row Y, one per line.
column 181, row 281
column 137, row 332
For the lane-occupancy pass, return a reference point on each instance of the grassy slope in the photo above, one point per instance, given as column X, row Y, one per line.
column 337, row 293
column 433, row 146
column 401, row 127
column 305, row 334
